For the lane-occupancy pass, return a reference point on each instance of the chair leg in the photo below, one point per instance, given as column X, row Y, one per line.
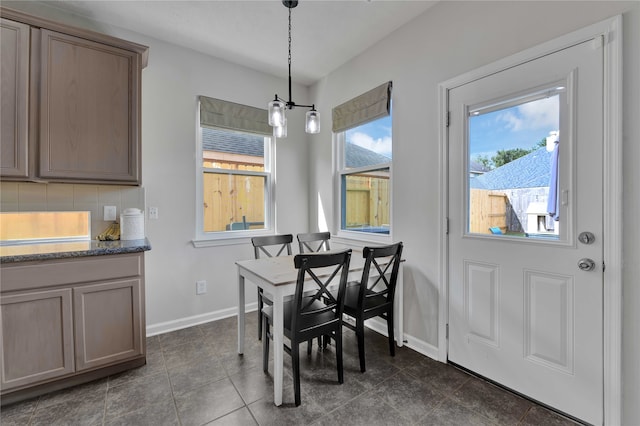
column 265, row 345
column 392, row 342
column 260, row 305
column 309, row 345
column 360, row 336
column 326, row 340
column 295, row 361
column 339, row 355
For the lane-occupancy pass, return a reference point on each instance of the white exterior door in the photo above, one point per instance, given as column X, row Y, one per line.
column 522, row 311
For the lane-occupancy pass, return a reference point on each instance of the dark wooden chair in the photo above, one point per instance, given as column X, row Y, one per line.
column 314, row 242
column 306, row 316
column 270, row 246
column 374, row 295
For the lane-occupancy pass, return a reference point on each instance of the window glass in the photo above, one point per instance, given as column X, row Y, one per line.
column 512, row 176
column 365, row 177
column 235, row 180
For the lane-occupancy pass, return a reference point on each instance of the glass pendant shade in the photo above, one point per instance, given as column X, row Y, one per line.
column 280, row 131
column 277, row 113
column 312, row 122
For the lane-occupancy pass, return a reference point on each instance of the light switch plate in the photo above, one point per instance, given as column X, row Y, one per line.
column 109, row 213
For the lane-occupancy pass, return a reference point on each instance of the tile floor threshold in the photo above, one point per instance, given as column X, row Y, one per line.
column 194, row 376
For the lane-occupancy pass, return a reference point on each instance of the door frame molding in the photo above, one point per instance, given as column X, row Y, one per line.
column 610, row 32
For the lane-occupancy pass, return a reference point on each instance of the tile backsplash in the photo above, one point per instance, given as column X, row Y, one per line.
column 28, row 196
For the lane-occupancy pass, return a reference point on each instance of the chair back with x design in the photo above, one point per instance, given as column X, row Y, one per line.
column 314, row 242
column 272, row 245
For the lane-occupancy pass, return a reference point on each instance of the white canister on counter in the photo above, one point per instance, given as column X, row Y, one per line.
column 131, row 224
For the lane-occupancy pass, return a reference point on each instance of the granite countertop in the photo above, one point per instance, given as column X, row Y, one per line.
column 62, row 250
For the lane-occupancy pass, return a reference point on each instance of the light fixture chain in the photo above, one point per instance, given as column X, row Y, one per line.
column 289, row 37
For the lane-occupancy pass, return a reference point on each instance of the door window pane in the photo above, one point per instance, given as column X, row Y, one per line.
column 513, row 168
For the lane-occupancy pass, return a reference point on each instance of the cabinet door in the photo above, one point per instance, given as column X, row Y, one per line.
column 108, row 322
column 89, row 110
column 14, row 86
column 37, row 337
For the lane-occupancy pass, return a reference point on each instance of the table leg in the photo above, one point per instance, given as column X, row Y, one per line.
column 399, row 308
column 241, row 306
column 278, row 348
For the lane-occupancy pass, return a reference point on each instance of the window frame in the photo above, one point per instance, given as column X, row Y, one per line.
column 215, row 238
column 340, row 171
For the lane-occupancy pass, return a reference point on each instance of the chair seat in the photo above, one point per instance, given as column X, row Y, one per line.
column 307, row 323
column 351, row 299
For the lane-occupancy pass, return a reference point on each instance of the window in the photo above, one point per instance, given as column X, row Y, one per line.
column 364, row 147
column 235, row 171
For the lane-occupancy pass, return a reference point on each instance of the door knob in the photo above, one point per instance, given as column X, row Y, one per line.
column 586, row 264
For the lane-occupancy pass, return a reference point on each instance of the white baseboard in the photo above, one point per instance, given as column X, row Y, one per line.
column 166, row 327
column 416, row 344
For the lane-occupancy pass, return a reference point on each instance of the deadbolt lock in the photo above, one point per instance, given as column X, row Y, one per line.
column 586, row 237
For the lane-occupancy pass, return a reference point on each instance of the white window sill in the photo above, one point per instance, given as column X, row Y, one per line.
column 228, row 238
column 361, row 239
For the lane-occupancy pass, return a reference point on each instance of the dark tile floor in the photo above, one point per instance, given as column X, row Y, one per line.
column 194, row 377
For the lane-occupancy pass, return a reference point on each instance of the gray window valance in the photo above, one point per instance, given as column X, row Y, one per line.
column 375, row 103
column 232, row 116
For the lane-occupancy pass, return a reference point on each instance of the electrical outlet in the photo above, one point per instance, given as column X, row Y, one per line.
column 153, row 212
column 201, row 287
column 109, row 213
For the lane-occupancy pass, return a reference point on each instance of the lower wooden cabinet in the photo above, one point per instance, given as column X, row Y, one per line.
column 53, row 331
column 107, row 323
column 37, row 337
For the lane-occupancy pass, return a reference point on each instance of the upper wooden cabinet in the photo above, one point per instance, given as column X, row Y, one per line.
column 83, row 113
column 88, row 107
column 14, row 86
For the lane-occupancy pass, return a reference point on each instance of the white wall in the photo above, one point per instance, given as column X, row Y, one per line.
column 171, row 84
column 448, row 40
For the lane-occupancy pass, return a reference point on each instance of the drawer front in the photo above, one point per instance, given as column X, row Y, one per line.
column 70, row 271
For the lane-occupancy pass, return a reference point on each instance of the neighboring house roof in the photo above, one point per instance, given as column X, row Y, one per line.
column 357, row 156
column 242, row 143
column 235, row 143
column 530, row 171
column 477, row 168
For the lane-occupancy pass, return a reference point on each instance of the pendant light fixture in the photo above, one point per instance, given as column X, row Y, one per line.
column 278, row 107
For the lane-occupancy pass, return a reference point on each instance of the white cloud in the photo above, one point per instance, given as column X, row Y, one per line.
column 380, row 145
column 544, row 113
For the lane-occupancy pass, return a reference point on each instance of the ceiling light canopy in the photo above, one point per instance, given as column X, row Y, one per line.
column 278, row 107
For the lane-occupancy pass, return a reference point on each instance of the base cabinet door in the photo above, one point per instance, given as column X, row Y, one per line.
column 107, row 322
column 37, row 337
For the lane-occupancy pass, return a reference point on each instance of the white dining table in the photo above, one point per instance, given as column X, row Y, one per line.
column 277, row 276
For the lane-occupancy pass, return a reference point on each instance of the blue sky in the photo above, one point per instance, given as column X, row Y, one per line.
column 521, row 126
column 374, row 136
